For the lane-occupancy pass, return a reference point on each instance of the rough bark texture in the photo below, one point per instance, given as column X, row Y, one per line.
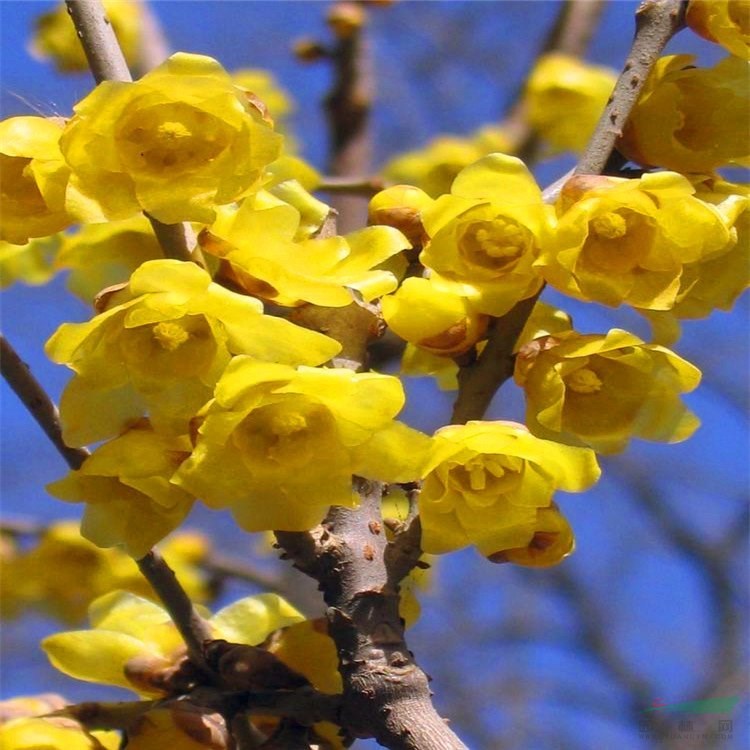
column 386, row 695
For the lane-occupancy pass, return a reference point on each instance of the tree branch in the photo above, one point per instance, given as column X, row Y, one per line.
column 657, row 21
column 348, row 109
column 107, row 63
column 28, row 389
column 386, row 695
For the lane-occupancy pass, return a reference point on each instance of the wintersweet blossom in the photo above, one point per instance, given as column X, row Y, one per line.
column 726, row 22
column 602, row 390
column 486, row 235
column 54, row 733
column 434, row 167
column 102, row 255
column 690, row 119
column 486, row 482
column 627, row 241
column 278, row 445
column 565, row 98
column 130, row 501
column 271, row 258
column 176, row 143
column 160, row 344
column 133, row 642
column 437, row 321
column 35, row 179
column 553, row 540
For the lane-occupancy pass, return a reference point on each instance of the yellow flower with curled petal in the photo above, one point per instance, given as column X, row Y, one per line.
column 54, row 733
column 602, row 390
column 32, row 263
column 279, row 445
column 161, row 344
column 486, row 235
column 565, row 98
column 487, row 481
column 125, row 484
column 261, row 241
column 690, row 119
column 55, row 36
column 626, row 241
column 726, row 22
column 134, row 644
column 552, row 542
column 35, row 179
column 401, row 206
column 438, row 321
column 177, row 143
column 102, row 255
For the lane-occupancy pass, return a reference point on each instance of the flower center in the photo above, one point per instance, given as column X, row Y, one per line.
column 609, row 226
column 500, row 240
column 170, row 335
column 583, row 381
column 172, row 131
column 287, row 423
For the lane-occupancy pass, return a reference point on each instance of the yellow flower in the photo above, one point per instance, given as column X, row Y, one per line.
column 552, row 542
column 84, row 572
column 726, row 22
column 261, row 241
column 690, row 119
column 31, row 263
column 417, row 362
column 102, row 255
column 434, row 167
column 181, row 725
column 601, row 390
column 626, row 241
column 487, row 481
column 134, row 644
column 565, row 97
column 125, row 484
column 263, row 84
column 55, row 36
column 307, row 648
column 715, row 282
column 176, row 143
column 279, row 445
column 486, row 235
column 54, row 733
column 34, row 179
column 401, row 207
column 440, row 322
column 162, row 344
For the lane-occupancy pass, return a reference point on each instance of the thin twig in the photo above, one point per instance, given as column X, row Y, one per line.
column 657, row 21
column 107, row 63
column 194, row 630
column 367, row 186
column 18, row 376
column 348, row 109
column 222, row 566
